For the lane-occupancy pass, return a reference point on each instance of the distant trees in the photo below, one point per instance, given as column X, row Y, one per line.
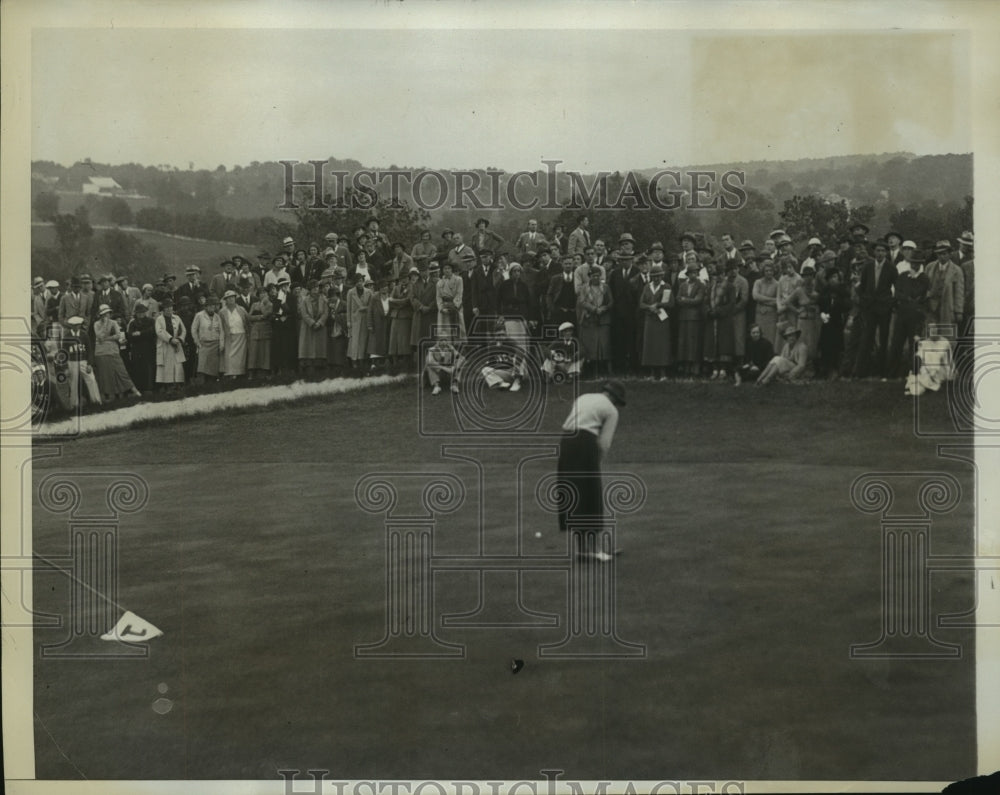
column 123, row 253
column 46, row 206
column 400, row 221
column 928, row 222
column 116, row 210
column 813, row 216
column 73, row 234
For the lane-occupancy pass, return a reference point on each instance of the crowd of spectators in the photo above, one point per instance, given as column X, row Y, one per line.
column 359, row 303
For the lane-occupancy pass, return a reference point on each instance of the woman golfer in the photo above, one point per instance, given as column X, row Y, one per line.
column 587, row 435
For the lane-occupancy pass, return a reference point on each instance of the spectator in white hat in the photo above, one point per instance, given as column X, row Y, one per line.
column 813, row 249
column 53, row 294
column 905, row 259
column 276, row 272
column 147, row 300
column 79, row 357
column 563, row 360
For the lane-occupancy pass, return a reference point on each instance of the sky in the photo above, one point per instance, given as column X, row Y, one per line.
column 595, row 99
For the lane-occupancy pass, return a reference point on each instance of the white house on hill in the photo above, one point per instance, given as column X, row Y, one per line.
column 104, row 186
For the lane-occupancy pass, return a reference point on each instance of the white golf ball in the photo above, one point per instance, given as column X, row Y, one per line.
column 538, row 534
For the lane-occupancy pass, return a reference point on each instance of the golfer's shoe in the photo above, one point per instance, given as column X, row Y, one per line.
column 436, row 390
column 515, row 387
column 454, row 388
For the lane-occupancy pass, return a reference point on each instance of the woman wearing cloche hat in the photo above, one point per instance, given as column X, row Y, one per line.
column 112, row 378
column 790, row 364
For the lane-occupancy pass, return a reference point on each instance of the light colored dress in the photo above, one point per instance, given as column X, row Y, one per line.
column 236, row 328
column 357, row 323
column 169, row 359
column 312, row 340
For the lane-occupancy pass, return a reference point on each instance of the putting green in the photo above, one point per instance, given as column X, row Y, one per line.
column 747, row 576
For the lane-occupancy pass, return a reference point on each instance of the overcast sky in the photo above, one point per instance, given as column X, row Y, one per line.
column 461, row 99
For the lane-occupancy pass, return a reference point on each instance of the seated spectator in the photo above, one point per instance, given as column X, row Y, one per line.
column 563, row 360
column 760, row 351
column 506, row 369
column 443, row 361
column 791, row 363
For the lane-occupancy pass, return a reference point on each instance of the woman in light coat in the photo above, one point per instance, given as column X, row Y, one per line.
column 170, row 336
column 313, row 312
column 359, row 298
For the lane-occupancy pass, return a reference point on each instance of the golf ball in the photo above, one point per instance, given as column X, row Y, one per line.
column 538, row 534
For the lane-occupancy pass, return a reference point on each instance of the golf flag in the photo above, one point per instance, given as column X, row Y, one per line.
column 132, row 629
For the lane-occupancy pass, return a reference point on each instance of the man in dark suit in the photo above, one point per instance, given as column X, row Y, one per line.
column 560, row 298
column 532, row 240
column 483, row 280
column 193, row 287
column 106, row 295
column 223, row 281
column 729, row 252
column 76, row 303
column 601, row 255
column 579, row 238
column 623, row 311
column 875, row 305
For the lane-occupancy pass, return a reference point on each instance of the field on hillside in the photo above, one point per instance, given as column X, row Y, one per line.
column 178, row 252
column 747, row 575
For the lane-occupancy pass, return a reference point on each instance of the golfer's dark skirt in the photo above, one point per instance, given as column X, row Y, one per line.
column 580, row 476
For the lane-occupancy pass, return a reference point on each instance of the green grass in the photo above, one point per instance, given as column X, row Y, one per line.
column 177, row 253
column 748, row 574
